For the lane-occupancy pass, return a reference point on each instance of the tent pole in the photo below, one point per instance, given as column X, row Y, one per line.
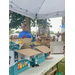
column 36, row 27
column 36, row 24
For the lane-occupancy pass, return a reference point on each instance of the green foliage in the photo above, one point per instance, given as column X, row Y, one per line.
column 55, row 33
column 11, row 31
column 17, row 32
column 51, row 32
column 17, row 19
column 61, row 67
column 33, row 33
column 39, row 22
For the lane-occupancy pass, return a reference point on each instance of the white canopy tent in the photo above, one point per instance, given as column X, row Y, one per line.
column 38, row 9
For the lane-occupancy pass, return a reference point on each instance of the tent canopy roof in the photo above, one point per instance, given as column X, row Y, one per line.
column 38, row 9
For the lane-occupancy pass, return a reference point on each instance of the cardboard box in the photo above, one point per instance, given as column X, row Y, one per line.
column 27, row 42
column 14, row 39
column 28, row 52
column 44, row 40
column 40, row 57
column 22, row 64
column 25, row 52
column 43, row 49
column 37, row 56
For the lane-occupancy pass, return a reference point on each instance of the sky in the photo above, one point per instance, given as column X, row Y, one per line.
column 55, row 22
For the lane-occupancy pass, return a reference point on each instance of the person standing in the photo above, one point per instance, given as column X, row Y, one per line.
column 43, row 30
column 25, row 33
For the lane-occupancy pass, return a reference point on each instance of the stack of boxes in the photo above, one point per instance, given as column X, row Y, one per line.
column 40, row 57
column 22, row 64
column 44, row 40
column 21, row 60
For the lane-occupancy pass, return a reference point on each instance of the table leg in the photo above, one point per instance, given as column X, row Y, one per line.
column 52, row 68
column 57, row 67
column 62, row 61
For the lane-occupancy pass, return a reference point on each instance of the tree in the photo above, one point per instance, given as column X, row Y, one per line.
column 55, row 33
column 39, row 22
column 51, row 32
column 17, row 32
column 63, row 20
column 17, row 19
column 11, row 31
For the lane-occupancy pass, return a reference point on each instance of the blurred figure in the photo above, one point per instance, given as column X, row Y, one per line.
column 62, row 33
column 43, row 30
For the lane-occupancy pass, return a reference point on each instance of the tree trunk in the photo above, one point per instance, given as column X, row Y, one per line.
column 63, row 36
column 28, row 24
column 63, row 20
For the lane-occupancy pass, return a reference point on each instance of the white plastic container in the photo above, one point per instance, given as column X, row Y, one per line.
column 57, row 47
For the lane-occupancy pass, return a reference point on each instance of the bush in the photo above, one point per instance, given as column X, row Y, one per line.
column 11, row 31
column 17, row 32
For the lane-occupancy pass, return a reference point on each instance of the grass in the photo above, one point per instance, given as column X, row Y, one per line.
column 61, row 67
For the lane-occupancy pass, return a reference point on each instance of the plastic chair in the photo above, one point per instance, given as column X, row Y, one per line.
column 53, row 72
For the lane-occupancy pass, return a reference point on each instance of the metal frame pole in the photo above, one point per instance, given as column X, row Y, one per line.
column 57, row 67
column 36, row 27
column 36, row 24
column 52, row 68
